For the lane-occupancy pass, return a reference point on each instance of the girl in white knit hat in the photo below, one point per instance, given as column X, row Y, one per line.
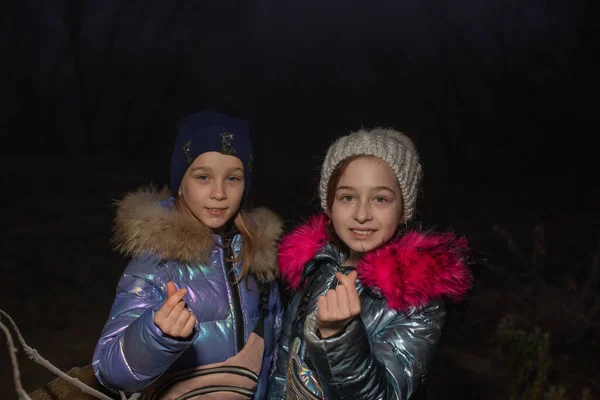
column 368, row 309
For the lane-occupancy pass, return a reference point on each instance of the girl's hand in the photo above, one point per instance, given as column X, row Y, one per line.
column 338, row 305
column 173, row 318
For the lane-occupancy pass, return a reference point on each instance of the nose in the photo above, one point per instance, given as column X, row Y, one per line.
column 362, row 212
column 218, row 192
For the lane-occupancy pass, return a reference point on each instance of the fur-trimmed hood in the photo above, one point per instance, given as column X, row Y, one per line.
column 409, row 271
column 146, row 225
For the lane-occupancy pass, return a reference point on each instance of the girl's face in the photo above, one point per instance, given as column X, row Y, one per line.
column 367, row 206
column 212, row 188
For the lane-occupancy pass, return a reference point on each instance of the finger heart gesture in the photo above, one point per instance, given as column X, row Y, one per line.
column 173, row 318
column 338, row 305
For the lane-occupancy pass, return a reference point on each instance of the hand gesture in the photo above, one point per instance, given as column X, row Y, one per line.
column 173, row 318
column 338, row 305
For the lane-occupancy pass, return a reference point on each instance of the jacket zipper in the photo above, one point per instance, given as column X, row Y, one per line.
column 237, row 302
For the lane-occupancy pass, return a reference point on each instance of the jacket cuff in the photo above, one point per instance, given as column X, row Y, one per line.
column 341, row 358
column 148, row 351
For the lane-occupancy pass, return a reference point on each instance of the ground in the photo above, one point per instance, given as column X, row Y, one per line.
column 59, row 272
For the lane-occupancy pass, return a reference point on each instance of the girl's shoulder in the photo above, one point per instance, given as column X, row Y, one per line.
column 418, row 267
column 148, row 268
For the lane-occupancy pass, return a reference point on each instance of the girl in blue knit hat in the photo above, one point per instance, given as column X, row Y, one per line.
column 197, row 310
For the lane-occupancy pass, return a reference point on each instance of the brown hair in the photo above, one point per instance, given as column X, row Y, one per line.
column 243, row 225
column 336, row 175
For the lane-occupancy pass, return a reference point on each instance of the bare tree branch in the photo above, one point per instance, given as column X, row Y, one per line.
column 12, row 351
column 35, row 356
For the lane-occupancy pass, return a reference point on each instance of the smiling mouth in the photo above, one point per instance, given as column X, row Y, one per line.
column 362, row 233
column 215, row 211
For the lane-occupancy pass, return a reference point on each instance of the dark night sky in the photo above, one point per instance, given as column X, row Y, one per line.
column 490, row 91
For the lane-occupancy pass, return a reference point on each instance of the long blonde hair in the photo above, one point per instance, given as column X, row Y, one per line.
column 243, row 225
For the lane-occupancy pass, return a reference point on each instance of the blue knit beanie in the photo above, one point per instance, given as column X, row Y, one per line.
column 210, row 130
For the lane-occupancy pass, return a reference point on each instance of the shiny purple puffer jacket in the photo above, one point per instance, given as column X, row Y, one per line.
column 132, row 351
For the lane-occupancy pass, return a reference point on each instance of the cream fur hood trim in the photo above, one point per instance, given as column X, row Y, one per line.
column 144, row 226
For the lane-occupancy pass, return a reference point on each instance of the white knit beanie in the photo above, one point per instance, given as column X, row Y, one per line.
column 392, row 146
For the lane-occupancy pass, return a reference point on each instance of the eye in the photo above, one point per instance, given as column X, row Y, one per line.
column 347, row 197
column 234, row 179
column 202, row 177
column 381, row 199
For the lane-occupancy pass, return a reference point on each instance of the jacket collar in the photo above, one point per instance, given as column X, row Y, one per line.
column 410, row 270
column 147, row 224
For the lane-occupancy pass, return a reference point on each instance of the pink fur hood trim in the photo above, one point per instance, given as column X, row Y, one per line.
column 409, row 271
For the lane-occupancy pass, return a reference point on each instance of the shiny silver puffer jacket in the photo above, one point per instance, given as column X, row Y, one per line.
column 132, row 351
column 386, row 352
